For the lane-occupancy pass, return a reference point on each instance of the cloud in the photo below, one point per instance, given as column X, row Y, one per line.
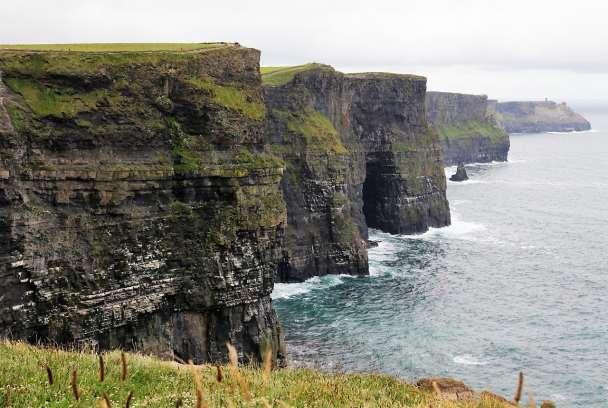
column 498, row 36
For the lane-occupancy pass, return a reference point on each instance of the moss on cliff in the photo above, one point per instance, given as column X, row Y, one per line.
column 231, row 97
column 316, row 131
column 472, row 129
column 54, row 101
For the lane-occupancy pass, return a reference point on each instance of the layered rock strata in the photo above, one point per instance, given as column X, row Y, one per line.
column 468, row 128
column 537, row 117
column 359, row 154
column 138, row 206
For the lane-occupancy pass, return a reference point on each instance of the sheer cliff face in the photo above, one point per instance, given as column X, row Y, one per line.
column 358, row 153
column 137, row 206
column 536, row 117
column 468, row 128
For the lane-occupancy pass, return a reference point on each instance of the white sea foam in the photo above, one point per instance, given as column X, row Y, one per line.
column 287, row 290
column 385, row 251
column 468, row 359
column 458, row 229
column 573, row 131
column 465, row 182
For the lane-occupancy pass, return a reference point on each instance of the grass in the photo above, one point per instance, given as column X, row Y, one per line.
column 232, row 98
column 114, row 47
column 277, row 76
column 472, row 129
column 48, row 101
column 317, row 131
column 154, row 383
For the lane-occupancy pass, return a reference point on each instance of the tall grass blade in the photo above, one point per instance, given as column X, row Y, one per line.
column 123, row 366
column 102, row 369
column 520, row 388
column 74, row 385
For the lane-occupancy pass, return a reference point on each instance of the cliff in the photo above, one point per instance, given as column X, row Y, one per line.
column 467, row 127
column 138, row 206
column 359, row 154
column 537, row 117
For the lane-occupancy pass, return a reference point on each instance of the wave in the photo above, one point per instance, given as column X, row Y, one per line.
column 385, row 251
column 573, row 131
column 465, row 182
column 468, row 359
column 287, row 290
column 458, row 229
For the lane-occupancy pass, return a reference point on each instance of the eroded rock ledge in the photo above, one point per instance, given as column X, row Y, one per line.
column 468, row 128
column 359, row 153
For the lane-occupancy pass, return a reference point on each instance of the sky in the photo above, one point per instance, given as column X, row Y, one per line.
column 507, row 49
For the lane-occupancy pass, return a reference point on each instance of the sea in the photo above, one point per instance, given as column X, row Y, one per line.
column 517, row 283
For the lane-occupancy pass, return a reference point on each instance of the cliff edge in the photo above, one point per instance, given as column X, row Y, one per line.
column 537, row 117
column 468, row 128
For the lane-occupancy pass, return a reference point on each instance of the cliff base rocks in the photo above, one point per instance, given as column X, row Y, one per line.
column 461, row 174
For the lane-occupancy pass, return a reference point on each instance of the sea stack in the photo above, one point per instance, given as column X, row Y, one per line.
column 461, row 174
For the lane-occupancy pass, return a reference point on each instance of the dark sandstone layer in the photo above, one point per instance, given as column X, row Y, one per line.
column 537, row 117
column 468, row 128
column 138, row 207
column 359, row 153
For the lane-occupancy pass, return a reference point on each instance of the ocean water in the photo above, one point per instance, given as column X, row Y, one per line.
column 518, row 282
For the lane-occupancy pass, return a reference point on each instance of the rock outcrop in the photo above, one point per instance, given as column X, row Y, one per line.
column 461, row 174
column 537, row 117
column 359, row 153
column 138, row 206
column 468, row 128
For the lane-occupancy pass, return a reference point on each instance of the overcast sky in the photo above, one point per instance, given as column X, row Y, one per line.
column 508, row 49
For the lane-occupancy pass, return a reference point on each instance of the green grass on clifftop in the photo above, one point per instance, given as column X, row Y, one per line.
column 154, row 383
column 114, row 47
column 276, row 76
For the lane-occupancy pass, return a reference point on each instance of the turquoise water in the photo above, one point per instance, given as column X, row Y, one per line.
column 518, row 282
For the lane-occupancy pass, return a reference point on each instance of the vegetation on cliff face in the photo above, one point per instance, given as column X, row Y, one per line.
column 317, row 131
column 232, row 97
column 24, row 382
column 472, row 129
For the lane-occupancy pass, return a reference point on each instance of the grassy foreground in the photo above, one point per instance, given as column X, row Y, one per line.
column 24, row 382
